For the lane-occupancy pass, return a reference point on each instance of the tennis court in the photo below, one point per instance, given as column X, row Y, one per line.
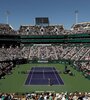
column 43, row 76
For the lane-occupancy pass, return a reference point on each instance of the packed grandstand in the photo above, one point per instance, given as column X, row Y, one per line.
column 50, row 43
column 47, row 96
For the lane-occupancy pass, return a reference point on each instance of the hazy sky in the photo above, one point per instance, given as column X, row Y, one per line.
column 23, row 12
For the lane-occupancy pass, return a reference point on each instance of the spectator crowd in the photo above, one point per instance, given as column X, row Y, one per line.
column 46, row 96
column 6, row 29
column 46, row 51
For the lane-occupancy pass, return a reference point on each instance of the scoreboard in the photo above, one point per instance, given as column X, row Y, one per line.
column 42, row 21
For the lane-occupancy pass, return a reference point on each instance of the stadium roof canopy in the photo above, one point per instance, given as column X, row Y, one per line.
column 82, row 25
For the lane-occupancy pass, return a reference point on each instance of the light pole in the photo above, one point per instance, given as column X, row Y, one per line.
column 7, row 15
column 76, row 16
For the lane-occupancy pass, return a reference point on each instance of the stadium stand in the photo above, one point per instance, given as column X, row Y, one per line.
column 81, row 26
column 46, row 96
column 52, row 30
column 53, row 52
column 59, row 45
column 57, row 52
column 41, row 30
column 6, row 29
column 5, row 68
column 10, row 53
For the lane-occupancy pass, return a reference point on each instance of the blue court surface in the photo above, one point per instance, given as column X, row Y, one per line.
column 43, row 76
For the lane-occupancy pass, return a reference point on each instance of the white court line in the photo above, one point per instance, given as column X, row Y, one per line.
column 55, row 75
column 31, row 75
